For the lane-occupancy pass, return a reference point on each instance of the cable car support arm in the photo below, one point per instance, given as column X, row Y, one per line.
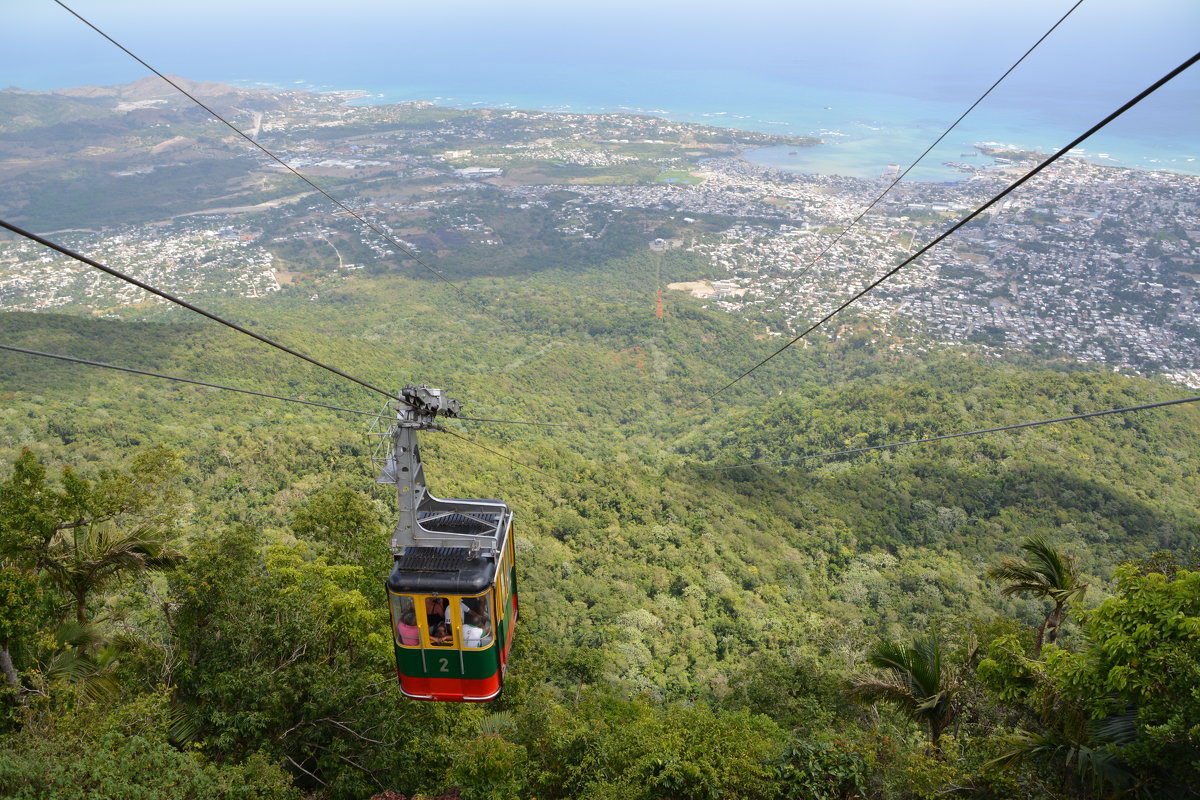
column 425, row 520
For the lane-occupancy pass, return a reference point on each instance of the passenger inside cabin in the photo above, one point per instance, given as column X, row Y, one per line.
column 441, row 635
column 435, row 611
column 473, row 630
column 410, row 634
column 463, row 609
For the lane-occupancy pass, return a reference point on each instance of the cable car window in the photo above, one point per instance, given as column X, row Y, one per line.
column 477, row 622
column 441, row 635
column 437, row 618
column 435, row 610
column 404, row 613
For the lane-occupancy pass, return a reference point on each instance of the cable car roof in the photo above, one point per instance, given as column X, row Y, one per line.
column 442, row 570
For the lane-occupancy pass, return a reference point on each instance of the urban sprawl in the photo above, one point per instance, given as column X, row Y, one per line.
column 1096, row 263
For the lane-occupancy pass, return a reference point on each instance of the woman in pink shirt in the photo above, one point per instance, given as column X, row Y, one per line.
column 410, row 634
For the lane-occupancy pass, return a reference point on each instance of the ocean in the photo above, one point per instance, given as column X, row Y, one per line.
column 877, row 82
column 864, row 132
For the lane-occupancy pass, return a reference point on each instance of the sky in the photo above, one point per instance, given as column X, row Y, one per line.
column 869, row 42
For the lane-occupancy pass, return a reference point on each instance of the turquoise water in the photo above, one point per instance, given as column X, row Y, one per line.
column 877, row 81
column 864, row 132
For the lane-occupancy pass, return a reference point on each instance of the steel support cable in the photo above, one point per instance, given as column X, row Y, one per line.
column 104, row 365
column 377, row 229
column 520, row 422
column 88, row 363
column 997, row 198
column 474, row 443
column 190, row 307
column 955, row 435
column 928, row 150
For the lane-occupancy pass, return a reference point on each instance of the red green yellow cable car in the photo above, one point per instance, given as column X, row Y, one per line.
column 453, row 586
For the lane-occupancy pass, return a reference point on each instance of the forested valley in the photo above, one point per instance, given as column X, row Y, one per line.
column 192, row 580
column 192, row 599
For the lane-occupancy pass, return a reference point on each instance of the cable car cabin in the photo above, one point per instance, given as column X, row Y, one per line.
column 454, row 609
column 453, row 585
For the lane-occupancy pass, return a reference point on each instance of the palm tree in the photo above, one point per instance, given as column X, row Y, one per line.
column 1088, row 759
column 84, row 659
column 915, row 680
column 89, row 558
column 1047, row 573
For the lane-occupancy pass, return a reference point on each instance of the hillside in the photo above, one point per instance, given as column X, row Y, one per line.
column 656, row 599
column 191, row 578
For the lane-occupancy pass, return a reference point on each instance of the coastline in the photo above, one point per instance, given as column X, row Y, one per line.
column 874, row 131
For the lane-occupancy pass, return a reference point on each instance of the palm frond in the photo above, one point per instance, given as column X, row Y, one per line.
column 914, row 680
column 1102, row 769
column 183, row 724
column 1097, row 767
column 1012, row 570
column 886, row 690
column 79, row 635
column 1117, row 729
column 95, row 676
column 1018, row 578
column 931, row 703
column 497, row 722
column 1022, row 746
column 1045, row 572
column 925, row 666
column 890, row 655
column 1046, row 559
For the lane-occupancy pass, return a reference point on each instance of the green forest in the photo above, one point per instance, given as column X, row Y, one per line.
column 193, row 579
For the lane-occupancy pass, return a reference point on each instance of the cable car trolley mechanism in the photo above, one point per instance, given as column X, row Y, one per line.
column 453, row 585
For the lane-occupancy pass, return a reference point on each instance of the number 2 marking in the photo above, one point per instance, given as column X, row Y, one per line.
column 445, row 664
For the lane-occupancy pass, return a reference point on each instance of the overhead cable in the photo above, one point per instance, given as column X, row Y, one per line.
column 88, row 363
column 102, row 364
column 520, row 422
column 928, row 150
column 955, row 435
column 997, row 198
column 374, row 227
column 474, row 443
column 190, row 307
